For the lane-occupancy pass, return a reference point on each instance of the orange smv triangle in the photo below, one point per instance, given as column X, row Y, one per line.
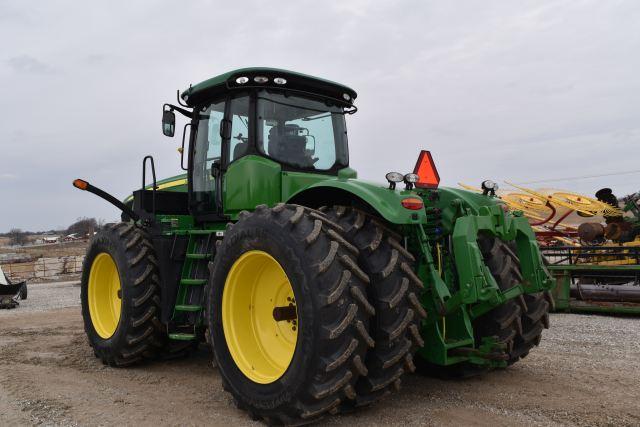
column 426, row 171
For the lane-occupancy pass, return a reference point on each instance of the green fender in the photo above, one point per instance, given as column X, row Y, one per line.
column 379, row 197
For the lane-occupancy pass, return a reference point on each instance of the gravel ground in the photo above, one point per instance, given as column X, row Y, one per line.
column 585, row 372
column 47, row 296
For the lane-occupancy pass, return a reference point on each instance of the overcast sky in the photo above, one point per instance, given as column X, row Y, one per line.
column 515, row 90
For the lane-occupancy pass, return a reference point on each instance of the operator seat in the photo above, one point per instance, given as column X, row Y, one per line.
column 286, row 143
column 240, row 150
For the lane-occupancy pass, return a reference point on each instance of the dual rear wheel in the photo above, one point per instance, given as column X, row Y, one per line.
column 312, row 312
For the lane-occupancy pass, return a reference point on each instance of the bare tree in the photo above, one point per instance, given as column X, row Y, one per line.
column 83, row 226
column 17, row 236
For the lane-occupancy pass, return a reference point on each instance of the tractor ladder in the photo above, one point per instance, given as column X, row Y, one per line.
column 188, row 310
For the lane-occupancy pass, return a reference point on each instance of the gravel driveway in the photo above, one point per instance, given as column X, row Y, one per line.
column 585, row 372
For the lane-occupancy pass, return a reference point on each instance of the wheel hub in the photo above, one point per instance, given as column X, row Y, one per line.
column 104, row 295
column 259, row 317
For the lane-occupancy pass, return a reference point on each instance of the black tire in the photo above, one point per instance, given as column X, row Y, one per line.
column 329, row 291
column 394, row 292
column 535, row 315
column 23, row 291
column 139, row 334
column 504, row 321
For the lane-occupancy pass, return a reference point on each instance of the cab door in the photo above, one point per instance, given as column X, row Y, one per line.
column 205, row 162
column 249, row 178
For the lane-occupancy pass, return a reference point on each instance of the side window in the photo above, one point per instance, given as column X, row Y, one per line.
column 239, row 115
column 208, row 147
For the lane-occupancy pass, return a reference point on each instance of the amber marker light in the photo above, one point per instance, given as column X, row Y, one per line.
column 412, row 203
column 82, row 185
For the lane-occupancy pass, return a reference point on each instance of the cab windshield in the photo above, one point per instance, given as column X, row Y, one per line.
column 301, row 132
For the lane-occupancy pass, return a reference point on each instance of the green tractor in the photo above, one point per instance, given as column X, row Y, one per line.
column 316, row 291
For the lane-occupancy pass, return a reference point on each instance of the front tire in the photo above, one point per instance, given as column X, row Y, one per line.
column 120, row 295
column 269, row 261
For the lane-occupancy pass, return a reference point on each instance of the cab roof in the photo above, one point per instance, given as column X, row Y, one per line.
column 295, row 81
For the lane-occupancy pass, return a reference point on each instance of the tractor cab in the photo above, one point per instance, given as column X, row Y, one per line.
column 268, row 122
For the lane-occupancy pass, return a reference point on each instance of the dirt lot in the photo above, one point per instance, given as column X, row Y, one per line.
column 51, row 250
column 584, row 373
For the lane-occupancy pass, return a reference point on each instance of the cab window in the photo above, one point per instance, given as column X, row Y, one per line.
column 301, row 132
column 239, row 116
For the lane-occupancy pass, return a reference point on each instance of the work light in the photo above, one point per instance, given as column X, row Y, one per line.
column 489, row 187
column 394, row 177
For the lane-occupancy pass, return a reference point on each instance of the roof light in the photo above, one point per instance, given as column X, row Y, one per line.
column 412, row 203
column 242, row 80
column 428, row 176
column 280, row 81
column 346, row 96
column 260, row 79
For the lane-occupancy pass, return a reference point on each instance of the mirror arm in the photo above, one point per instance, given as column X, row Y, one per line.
column 182, row 111
column 180, row 99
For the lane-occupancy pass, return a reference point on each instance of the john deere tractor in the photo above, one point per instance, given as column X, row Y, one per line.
column 316, row 291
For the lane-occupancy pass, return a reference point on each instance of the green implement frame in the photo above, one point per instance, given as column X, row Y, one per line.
column 599, row 279
column 566, row 278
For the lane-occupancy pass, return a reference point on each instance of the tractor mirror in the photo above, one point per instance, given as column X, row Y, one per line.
column 168, row 123
column 225, row 128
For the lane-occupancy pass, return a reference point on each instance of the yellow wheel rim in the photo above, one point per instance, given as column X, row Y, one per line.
column 104, row 302
column 261, row 346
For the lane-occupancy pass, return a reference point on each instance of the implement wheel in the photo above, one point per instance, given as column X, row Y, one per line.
column 287, row 314
column 394, row 292
column 120, row 295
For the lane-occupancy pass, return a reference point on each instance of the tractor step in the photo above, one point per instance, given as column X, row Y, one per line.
column 192, row 282
column 198, row 256
column 201, row 232
column 189, row 308
column 454, row 344
column 178, row 336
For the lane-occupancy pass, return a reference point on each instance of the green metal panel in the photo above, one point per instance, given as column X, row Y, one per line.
column 295, row 182
column 251, row 181
column 561, row 292
column 459, row 287
column 174, row 183
column 385, row 201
